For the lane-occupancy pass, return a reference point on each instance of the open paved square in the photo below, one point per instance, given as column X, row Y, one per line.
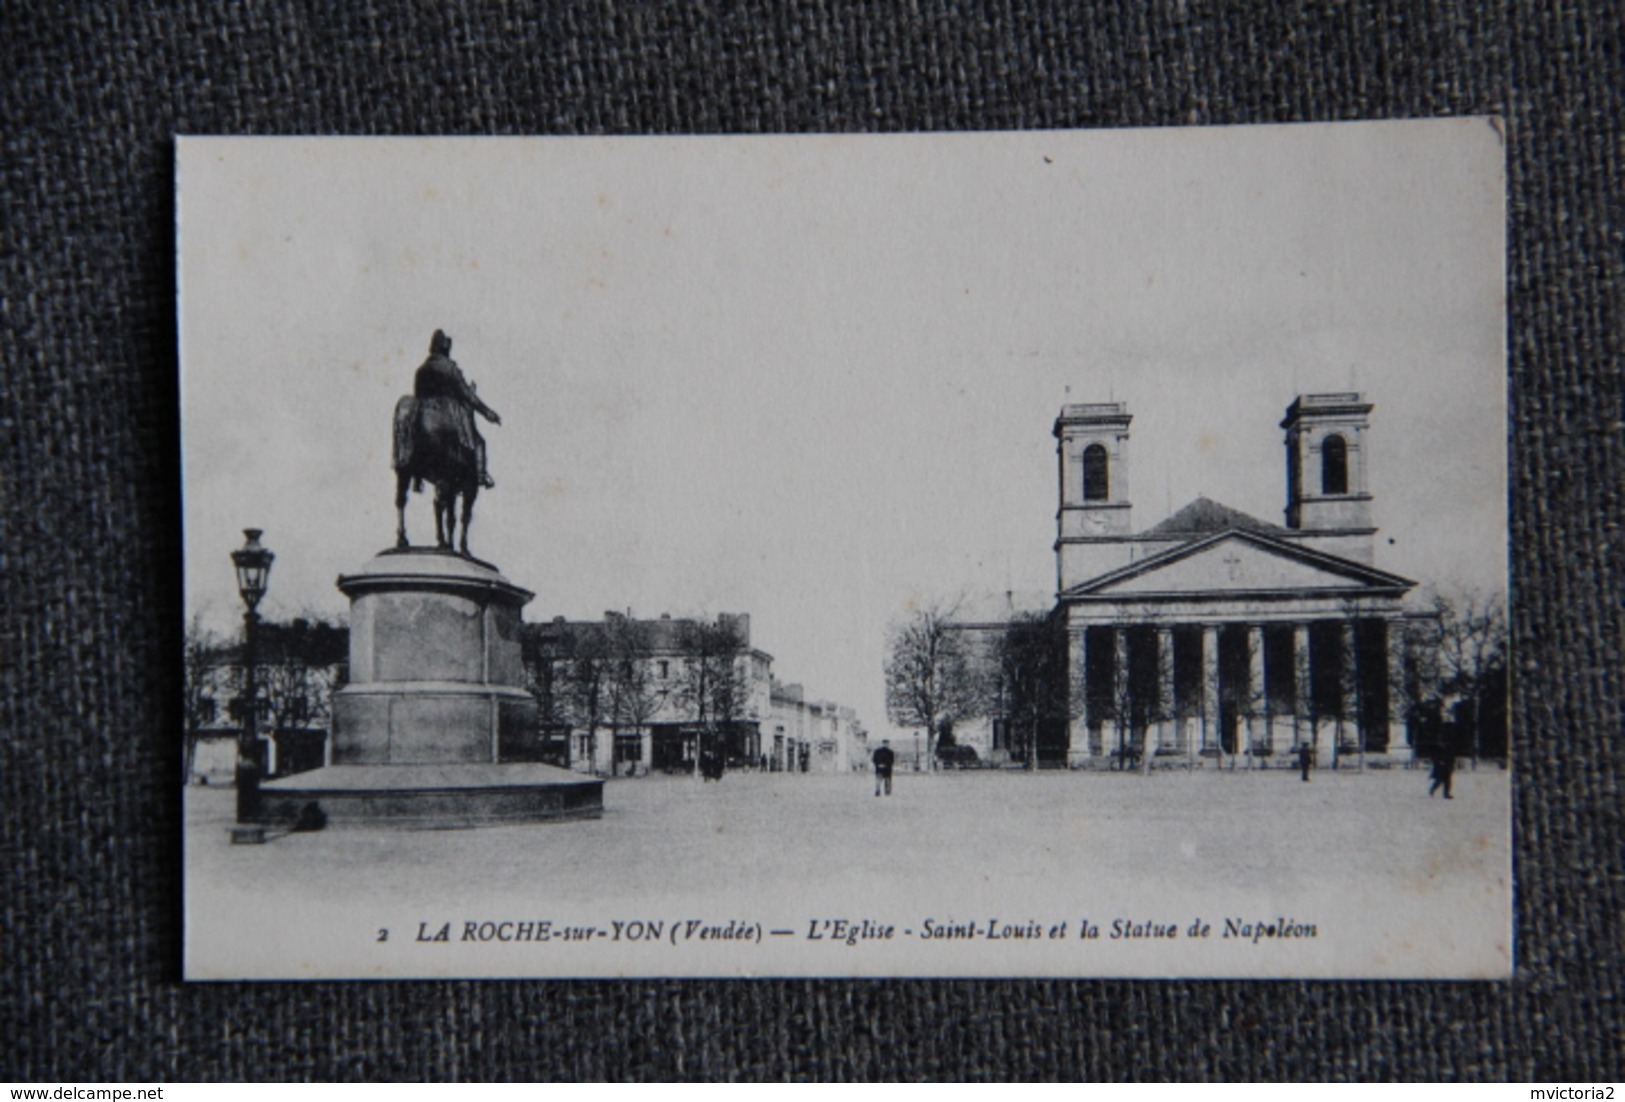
column 1390, row 881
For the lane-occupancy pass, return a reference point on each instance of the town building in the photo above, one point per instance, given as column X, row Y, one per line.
column 812, row 736
column 616, row 697
column 626, row 697
column 1214, row 634
column 299, row 665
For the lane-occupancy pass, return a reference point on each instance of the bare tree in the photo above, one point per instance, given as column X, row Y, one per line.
column 300, row 665
column 929, row 675
column 1252, row 696
column 1031, row 669
column 633, row 696
column 1346, row 712
column 1472, row 655
column 1122, row 701
column 549, row 657
column 302, row 662
column 1138, row 701
column 1228, row 690
column 199, row 709
column 584, row 681
column 712, row 680
column 1421, row 691
column 1159, row 677
column 286, row 701
column 1210, row 686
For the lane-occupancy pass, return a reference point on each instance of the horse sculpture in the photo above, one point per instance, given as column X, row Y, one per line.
column 429, row 447
column 436, row 442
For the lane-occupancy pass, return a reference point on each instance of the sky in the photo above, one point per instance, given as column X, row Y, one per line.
column 814, row 378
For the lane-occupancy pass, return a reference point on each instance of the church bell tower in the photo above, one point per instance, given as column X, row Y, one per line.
column 1094, row 515
column 1094, row 512
column 1326, row 448
column 1092, row 450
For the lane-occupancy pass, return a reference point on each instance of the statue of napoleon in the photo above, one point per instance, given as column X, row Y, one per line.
column 436, row 442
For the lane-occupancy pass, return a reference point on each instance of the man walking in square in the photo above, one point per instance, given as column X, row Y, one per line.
column 1444, row 768
column 884, row 759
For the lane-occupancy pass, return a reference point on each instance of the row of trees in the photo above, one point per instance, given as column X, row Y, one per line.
column 623, row 674
column 1465, row 674
column 940, row 673
column 301, row 664
column 600, row 677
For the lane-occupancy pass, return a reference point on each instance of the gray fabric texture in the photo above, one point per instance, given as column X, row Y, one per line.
column 90, row 926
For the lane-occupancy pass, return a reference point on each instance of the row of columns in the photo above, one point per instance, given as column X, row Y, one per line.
column 1169, row 732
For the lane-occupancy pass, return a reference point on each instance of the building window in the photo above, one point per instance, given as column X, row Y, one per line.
column 239, row 706
column 1334, row 466
column 665, row 669
column 1096, row 486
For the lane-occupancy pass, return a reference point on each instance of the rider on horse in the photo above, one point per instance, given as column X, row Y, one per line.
column 435, row 442
column 440, row 382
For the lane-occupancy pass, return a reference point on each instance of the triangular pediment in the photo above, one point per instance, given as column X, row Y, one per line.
column 1239, row 562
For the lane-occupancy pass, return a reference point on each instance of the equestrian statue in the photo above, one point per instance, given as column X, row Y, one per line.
column 436, row 442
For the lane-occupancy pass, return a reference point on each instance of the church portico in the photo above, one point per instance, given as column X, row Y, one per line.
column 1213, row 687
column 1215, row 636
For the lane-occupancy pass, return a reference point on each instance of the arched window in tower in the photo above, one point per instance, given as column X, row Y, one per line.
column 1334, row 466
column 1096, row 485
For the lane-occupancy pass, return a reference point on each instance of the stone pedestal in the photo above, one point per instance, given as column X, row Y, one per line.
column 435, row 669
column 435, row 693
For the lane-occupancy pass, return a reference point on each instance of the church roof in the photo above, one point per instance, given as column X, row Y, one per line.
column 1203, row 517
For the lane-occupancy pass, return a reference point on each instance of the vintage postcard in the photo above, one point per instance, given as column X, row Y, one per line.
column 1020, row 554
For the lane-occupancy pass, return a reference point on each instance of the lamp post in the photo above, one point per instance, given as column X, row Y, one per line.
column 253, row 565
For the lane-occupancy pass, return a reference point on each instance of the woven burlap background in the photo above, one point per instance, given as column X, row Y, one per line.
column 89, row 918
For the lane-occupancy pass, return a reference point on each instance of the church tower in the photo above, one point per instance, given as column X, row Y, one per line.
column 1326, row 447
column 1092, row 453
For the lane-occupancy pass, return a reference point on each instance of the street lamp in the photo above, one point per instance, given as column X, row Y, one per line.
column 253, row 564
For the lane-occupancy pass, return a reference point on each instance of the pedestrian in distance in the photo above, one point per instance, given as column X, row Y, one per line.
column 884, row 759
column 1444, row 767
column 1305, row 757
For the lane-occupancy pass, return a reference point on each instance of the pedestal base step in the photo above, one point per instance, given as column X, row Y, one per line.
column 431, row 797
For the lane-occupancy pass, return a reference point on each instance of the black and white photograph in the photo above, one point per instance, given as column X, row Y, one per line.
column 1031, row 554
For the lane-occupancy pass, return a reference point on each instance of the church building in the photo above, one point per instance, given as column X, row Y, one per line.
column 1217, row 634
